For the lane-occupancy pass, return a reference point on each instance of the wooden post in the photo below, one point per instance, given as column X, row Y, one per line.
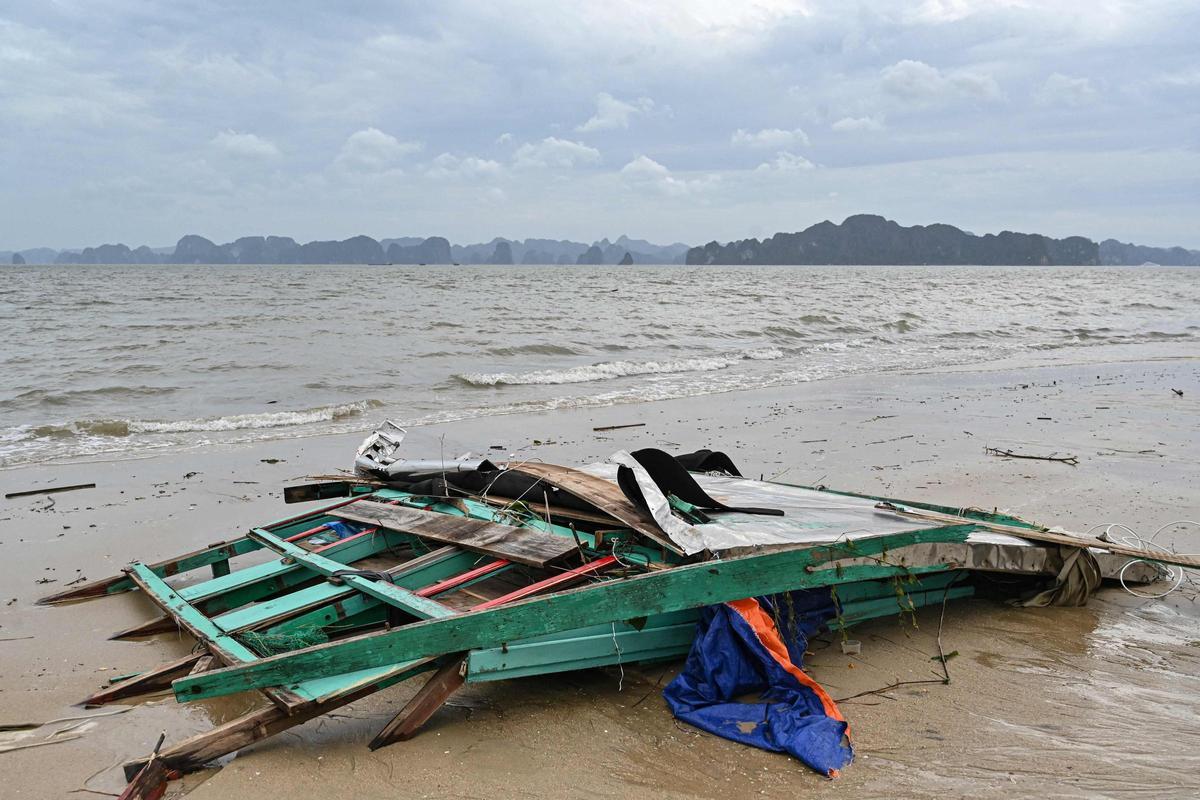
column 432, row 696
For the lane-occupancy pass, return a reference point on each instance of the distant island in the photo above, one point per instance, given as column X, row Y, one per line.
column 193, row 249
column 859, row 239
column 871, row 239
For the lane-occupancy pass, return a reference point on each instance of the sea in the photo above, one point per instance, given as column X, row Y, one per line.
column 121, row 361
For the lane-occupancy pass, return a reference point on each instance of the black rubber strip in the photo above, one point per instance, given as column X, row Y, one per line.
column 671, row 478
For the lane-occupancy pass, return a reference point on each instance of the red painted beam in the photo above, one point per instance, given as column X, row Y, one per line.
column 460, row 579
column 549, row 584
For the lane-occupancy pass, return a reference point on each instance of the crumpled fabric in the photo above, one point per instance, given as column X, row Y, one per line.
column 1074, row 584
column 756, row 646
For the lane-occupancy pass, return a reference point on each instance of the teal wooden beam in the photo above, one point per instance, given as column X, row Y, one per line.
column 403, row 599
column 314, row 598
column 197, row 624
column 269, row 577
column 644, row 595
column 597, row 647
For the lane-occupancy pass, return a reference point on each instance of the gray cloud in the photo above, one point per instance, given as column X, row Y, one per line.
column 672, row 120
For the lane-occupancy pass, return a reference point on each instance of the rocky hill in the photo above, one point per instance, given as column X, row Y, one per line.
column 860, row 239
column 1114, row 252
column 871, row 239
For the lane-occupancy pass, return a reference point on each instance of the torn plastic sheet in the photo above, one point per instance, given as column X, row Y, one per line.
column 742, row 649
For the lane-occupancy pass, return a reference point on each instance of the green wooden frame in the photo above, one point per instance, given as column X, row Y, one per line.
column 675, row 589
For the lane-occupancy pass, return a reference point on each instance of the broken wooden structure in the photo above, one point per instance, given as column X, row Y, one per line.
column 347, row 599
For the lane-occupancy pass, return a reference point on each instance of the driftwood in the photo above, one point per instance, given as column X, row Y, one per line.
column 49, row 490
column 1072, row 460
column 619, row 427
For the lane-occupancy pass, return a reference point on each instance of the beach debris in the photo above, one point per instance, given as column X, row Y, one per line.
column 619, row 427
column 994, row 451
column 149, row 782
column 851, row 647
column 527, row 569
column 1178, row 392
column 22, row 726
column 50, row 490
column 54, row 738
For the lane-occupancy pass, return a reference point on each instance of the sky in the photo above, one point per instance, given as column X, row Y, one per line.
column 139, row 122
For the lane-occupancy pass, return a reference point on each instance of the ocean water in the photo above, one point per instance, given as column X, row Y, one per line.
column 120, row 360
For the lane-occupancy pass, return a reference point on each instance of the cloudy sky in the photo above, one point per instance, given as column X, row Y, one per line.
column 138, row 122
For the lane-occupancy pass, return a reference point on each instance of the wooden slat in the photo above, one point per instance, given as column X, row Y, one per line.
column 688, row 586
column 410, row 574
column 229, row 650
column 605, row 495
column 521, row 545
column 403, row 599
column 153, row 680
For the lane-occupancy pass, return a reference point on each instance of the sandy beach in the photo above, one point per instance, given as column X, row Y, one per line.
column 1100, row 701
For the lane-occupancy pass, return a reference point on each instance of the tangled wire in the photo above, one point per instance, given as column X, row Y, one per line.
column 1175, row 576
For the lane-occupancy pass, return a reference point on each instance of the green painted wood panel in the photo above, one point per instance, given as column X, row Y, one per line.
column 658, row 592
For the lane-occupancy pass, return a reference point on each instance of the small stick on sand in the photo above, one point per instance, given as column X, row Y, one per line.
column 1072, row 460
column 619, row 427
column 49, row 490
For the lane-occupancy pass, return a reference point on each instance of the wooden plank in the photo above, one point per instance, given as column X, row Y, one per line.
column 682, row 587
column 246, row 586
column 521, row 545
column 196, row 751
column 403, row 599
column 154, row 680
column 554, row 512
column 605, row 495
column 424, row 704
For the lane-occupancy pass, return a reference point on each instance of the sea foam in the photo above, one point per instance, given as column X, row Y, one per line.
column 608, row 370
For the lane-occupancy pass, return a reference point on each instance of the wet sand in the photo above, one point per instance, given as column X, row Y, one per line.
column 1102, row 701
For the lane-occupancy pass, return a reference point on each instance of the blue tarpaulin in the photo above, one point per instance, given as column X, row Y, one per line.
column 756, row 646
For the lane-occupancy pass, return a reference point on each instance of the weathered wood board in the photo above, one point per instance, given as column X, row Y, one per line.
column 603, row 494
column 520, row 545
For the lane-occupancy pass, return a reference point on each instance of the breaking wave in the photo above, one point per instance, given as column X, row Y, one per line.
column 607, row 370
column 235, row 422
